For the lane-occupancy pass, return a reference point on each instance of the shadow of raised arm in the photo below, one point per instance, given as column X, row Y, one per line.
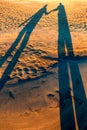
column 56, row 9
column 44, row 11
column 59, row 7
column 26, row 21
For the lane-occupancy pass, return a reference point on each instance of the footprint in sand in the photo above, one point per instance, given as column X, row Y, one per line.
column 19, row 72
column 43, row 82
column 50, row 95
column 11, row 95
column 52, row 100
column 25, row 73
column 26, row 70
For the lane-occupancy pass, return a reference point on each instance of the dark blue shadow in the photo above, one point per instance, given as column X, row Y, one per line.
column 66, row 106
column 25, row 34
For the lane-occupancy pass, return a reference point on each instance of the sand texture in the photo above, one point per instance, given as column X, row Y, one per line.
column 43, row 65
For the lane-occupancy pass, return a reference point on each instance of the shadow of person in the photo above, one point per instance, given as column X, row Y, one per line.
column 66, row 68
column 23, row 37
column 32, row 21
column 64, row 38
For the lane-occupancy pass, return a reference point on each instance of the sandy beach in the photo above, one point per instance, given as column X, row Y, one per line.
column 43, row 65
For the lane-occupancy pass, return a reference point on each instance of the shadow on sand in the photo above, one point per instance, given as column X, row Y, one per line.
column 23, row 37
column 65, row 69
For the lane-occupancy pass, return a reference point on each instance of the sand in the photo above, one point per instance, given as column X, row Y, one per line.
column 31, row 97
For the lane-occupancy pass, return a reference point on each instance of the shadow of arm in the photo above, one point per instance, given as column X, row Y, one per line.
column 56, row 9
column 25, row 21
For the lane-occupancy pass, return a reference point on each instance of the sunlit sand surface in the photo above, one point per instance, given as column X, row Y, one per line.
column 30, row 96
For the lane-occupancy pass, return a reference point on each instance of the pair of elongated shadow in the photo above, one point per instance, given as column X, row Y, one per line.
column 64, row 40
column 23, row 37
column 67, row 117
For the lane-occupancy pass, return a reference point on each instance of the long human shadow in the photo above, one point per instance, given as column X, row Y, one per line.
column 24, row 36
column 65, row 49
column 32, row 21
